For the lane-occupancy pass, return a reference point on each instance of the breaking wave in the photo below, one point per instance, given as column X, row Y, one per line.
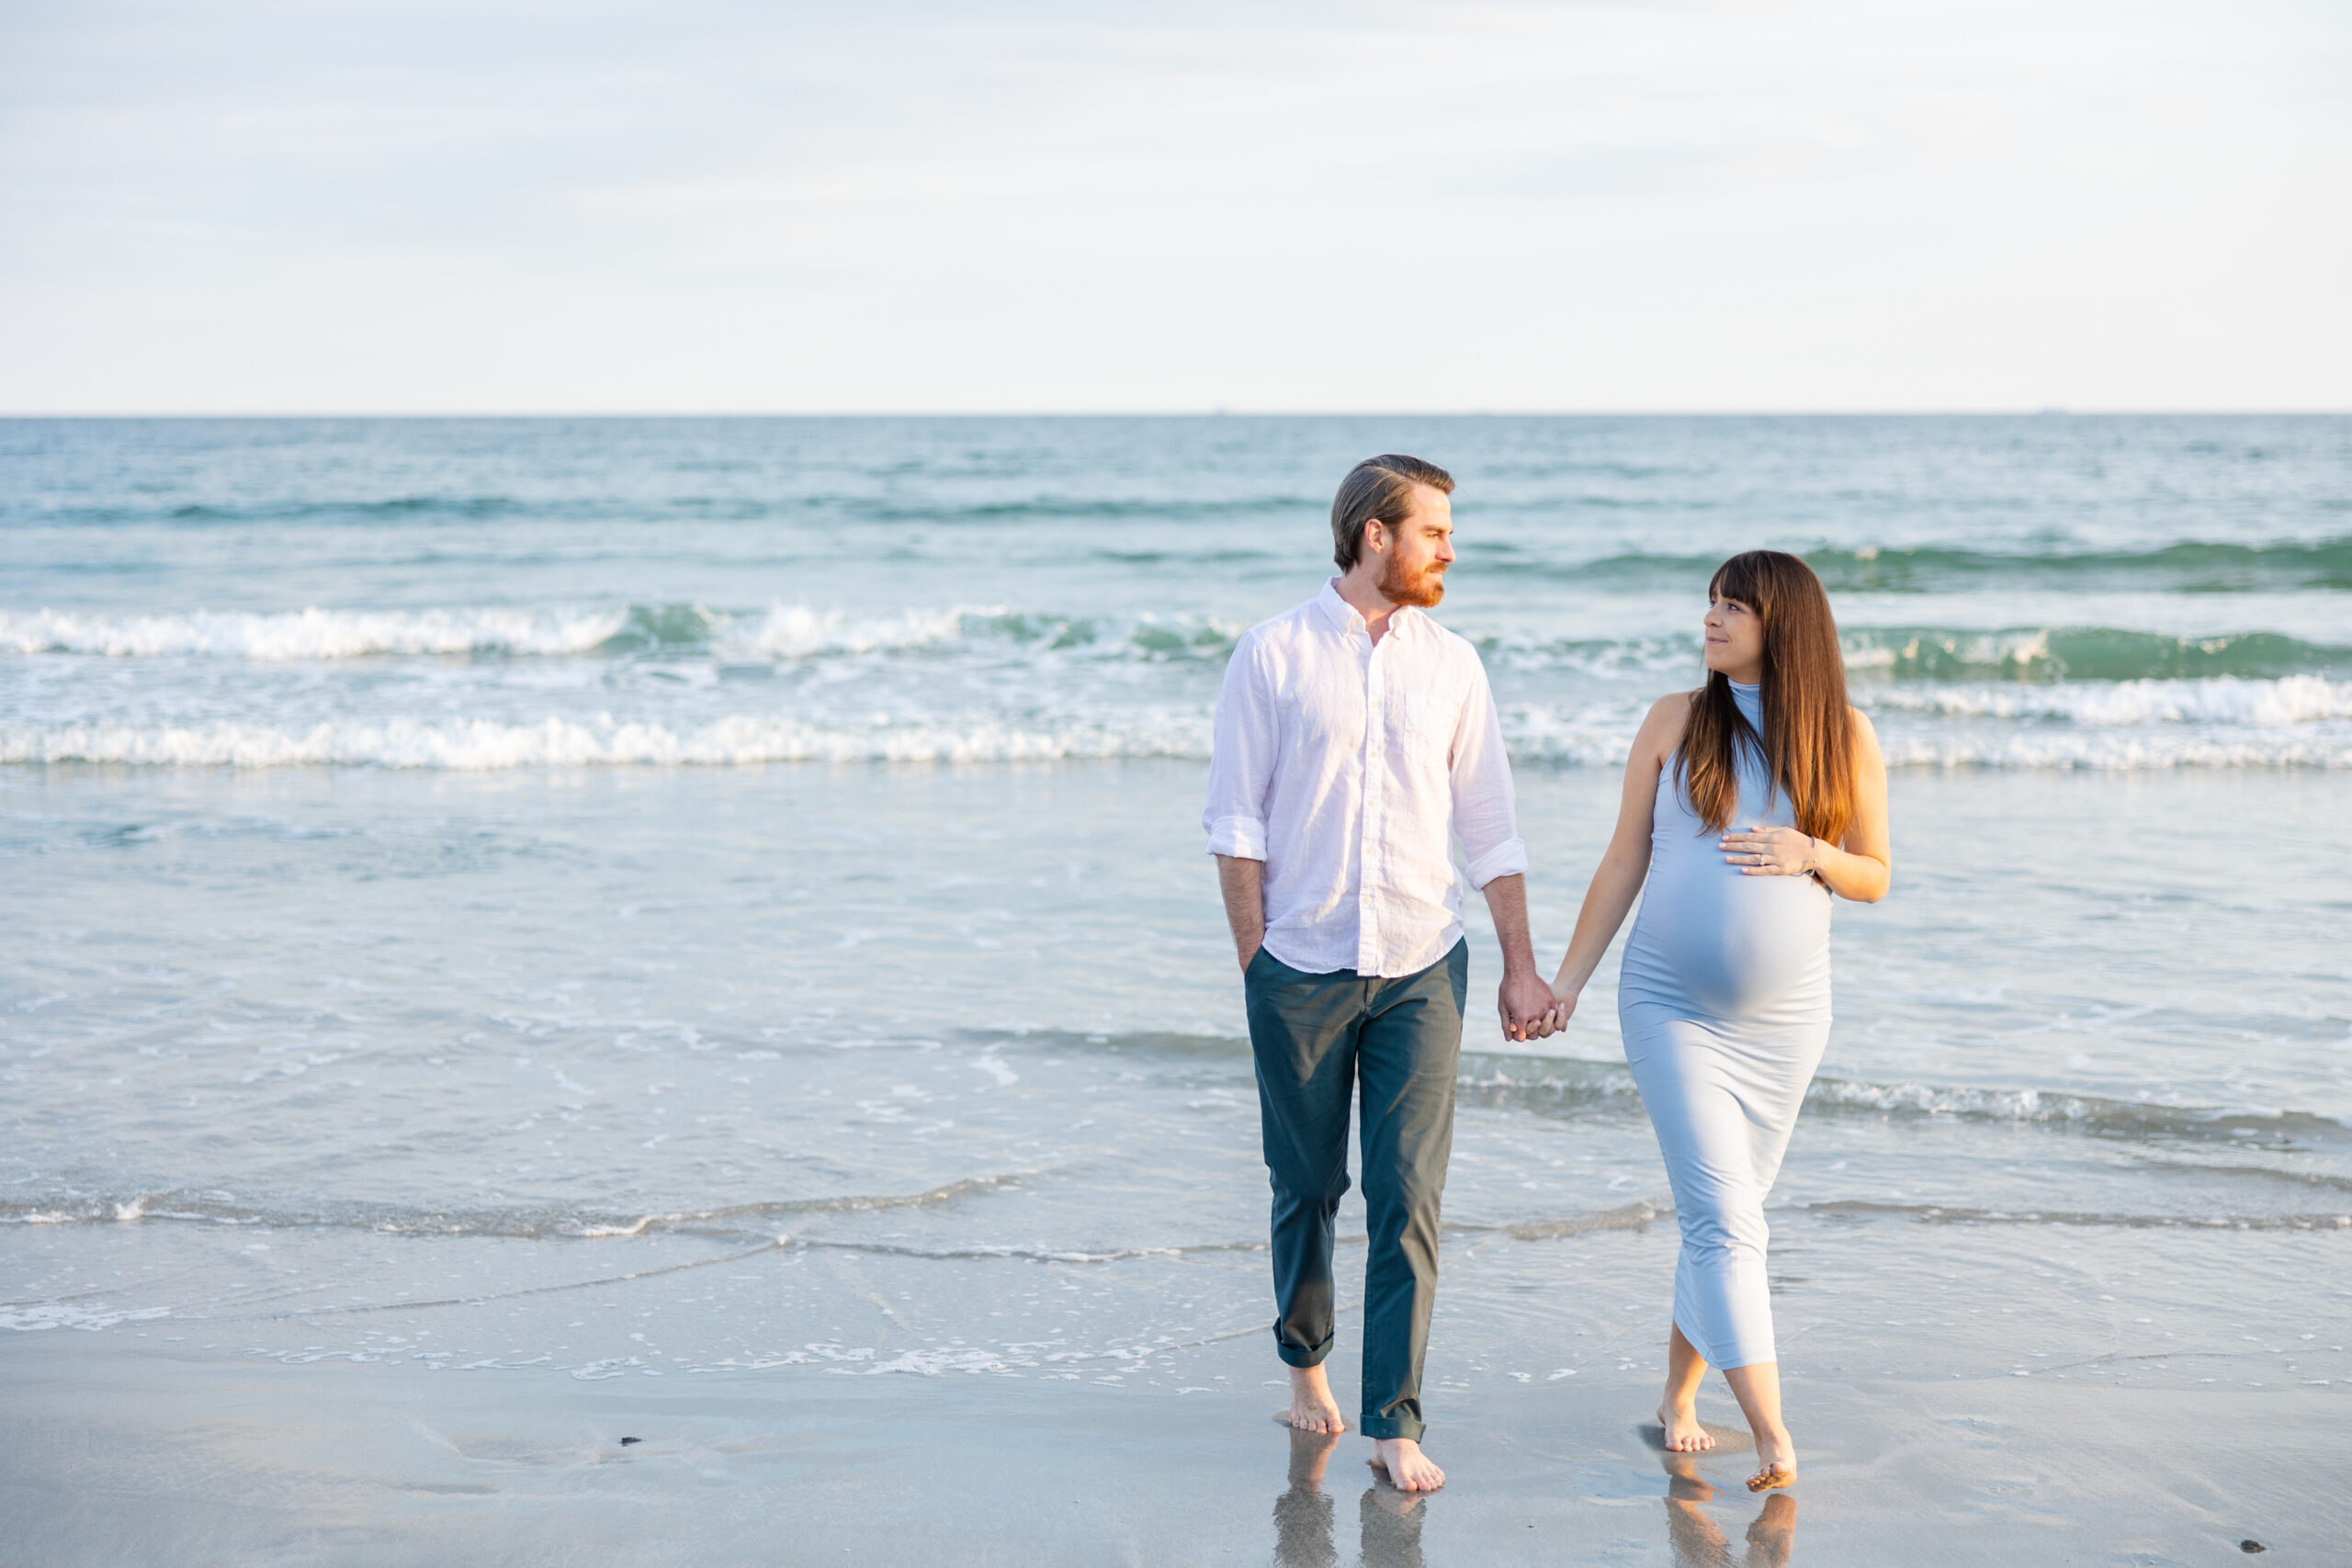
column 483, row 745
column 2293, row 699
column 308, row 634
column 2266, row 725
column 2194, row 566
column 781, row 632
column 2080, row 653
column 785, row 632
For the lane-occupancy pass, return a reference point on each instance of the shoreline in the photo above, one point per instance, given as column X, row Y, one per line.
column 133, row 1455
column 2116, row 1417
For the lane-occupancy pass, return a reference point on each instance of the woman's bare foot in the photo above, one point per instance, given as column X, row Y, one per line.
column 1312, row 1408
column 1777, row 1455
column 1683, row 1433
column 1408, row 1469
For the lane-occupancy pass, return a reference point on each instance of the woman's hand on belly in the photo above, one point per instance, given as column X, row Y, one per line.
column 1759, row 850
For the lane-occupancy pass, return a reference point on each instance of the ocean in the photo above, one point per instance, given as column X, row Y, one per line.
column 558, row 901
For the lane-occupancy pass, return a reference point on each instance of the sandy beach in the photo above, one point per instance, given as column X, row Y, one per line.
column 1921, row 1446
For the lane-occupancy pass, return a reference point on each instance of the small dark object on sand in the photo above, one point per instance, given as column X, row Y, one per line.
column 2252, row 1546
column 626, row 1441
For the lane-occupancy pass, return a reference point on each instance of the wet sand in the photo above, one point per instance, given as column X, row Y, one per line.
column 119, row 1451
column 876, row 1291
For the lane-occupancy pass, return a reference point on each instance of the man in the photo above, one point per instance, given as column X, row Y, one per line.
column 1354, row 738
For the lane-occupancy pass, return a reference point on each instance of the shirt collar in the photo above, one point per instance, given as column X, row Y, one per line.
column 1344, row 617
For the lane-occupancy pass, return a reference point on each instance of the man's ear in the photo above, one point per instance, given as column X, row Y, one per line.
column 1376, row 534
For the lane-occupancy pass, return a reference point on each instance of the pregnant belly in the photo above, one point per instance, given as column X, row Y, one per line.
column 1729, row 945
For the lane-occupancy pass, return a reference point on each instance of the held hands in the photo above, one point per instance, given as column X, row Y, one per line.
column 1564, row 1008
column 1772, row 851
column 1527, row 1005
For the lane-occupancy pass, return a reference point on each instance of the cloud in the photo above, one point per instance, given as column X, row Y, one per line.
column 1532, row 206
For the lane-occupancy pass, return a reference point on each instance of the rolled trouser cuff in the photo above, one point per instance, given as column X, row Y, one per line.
column 1313, row 1356
column 1381, row 1428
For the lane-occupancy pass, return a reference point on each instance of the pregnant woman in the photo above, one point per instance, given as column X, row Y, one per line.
column 1748, row 803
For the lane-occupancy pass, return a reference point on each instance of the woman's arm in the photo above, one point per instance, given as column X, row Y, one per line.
column 1860, row 868
column 1626, row 863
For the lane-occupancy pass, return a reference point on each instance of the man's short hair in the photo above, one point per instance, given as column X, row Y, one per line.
column 1379, row 489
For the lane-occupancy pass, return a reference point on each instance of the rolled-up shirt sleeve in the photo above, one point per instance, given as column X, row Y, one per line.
column 1486, row 813
column 1241, row 759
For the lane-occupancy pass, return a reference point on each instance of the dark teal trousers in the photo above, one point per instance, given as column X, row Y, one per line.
column 1318, row 1039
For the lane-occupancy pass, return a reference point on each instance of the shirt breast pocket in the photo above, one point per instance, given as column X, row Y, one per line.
column 1426, row 730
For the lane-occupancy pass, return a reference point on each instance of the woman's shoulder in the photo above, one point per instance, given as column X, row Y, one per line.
column 1663, row 725
column 1870, row 757
column 1673, row 708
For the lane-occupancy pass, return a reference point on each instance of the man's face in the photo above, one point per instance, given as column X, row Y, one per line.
column 1419, row 550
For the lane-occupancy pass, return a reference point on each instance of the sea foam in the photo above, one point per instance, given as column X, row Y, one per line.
column 312, row 634
column 781, row 632
column 1534, row 738
column 2292, row 699
column 479, row 746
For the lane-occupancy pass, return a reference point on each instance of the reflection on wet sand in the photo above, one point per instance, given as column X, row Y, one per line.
column 1303, row 1515
column 1698, row 1540
column 1391, row 1525
column 1389, row 1520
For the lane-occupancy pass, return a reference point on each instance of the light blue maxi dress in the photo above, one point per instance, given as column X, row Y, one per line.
column 1724, row 1001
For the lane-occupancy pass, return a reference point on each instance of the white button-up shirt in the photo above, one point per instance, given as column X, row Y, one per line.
column 1346, row 767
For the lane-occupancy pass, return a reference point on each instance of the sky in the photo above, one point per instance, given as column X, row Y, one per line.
column 520, row 206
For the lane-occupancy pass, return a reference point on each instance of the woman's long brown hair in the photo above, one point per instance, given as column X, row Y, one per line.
column 1808, row 746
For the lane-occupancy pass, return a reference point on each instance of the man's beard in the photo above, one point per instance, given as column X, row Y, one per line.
column 1423, row 589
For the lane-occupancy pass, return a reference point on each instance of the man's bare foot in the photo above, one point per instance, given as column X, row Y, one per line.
column 1312, row 1408
column 1407, row 1468
column 1778, row 1457
column 1683, row 1433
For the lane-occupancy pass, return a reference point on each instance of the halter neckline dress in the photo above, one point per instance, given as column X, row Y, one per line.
column 1724, row 1001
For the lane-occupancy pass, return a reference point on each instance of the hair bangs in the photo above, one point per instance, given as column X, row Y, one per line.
column 1742, row 578
column 1806, row 739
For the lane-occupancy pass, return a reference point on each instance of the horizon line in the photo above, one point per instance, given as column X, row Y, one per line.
column 2046, row 410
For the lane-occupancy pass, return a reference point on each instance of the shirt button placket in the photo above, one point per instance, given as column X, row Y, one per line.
column 1375, row 733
